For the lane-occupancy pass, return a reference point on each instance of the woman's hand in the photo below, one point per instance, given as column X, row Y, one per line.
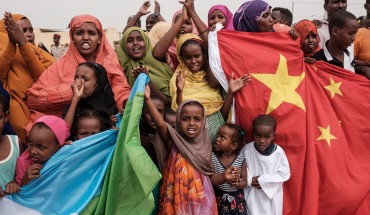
column 32, row 172
column 236, row 84
column 180, row 80
column 293, row 34
column 15, row 32
column 144, row 8
column 189, row 5
column 140, row 69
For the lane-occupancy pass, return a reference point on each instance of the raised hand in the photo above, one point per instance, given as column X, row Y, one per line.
column 15, row 32
column 180, row 80
column 189, row 5
column 144, row 8
column 236, row 84
column 157, row 7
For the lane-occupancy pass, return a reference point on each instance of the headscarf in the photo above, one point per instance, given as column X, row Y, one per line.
column 172, row 50
column 304, row 28
column 52, row 92
column 196, row 84
column 158, row 31
column 197, row 151
column 21, row 67
column 159, row 73
column 102, row 99
column 227, row 13
column 61, row 131
column 248, row 14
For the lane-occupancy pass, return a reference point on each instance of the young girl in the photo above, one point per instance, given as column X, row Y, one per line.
column 91, row 91
column 10, row 149
column 227, row 157
column 192, row 80
column 309, row 39
column 88, row 123
column 47, row 135
column 186, row 187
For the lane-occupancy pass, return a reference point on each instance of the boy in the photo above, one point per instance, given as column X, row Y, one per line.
column 268, row 168
column 343, row 27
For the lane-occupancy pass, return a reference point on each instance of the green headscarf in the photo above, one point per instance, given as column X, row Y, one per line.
column 159, row 73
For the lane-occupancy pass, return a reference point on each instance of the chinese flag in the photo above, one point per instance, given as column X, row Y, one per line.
column 322, row 114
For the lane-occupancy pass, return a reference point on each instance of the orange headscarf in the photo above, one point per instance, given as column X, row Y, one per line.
column 20, row 67
column 304, row 28
column 52, row 93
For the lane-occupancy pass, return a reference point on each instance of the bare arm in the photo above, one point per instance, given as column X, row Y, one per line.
column 234, row 86
column 180, row 84
column 231, row 175
column 159, row 51
column 143, row 11
column 78, row 88
column 157, row 118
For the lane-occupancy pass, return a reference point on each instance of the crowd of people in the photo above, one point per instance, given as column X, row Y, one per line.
column 207, row 166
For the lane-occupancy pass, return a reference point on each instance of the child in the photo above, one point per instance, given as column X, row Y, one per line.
column 191, row 81
column 47, row 135
column 186, row 188
column 343, row 27
column 88, row 123
column 91, row 91
column 309, row 38
column 10, row 149
column 268, row 168
column 226, row 156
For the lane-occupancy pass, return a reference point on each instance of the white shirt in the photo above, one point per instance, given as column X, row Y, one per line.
column 273, row 171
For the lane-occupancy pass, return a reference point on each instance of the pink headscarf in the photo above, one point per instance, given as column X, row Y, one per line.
column 61, row 130
column 227, row 13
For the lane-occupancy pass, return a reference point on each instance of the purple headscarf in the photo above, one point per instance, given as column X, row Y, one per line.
column 227, row 13
column 245, row 19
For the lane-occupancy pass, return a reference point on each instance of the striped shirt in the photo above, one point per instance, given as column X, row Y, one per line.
column 219, row 168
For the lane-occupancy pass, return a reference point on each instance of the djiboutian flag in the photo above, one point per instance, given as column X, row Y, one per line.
column 107, row 173
column 322, row 114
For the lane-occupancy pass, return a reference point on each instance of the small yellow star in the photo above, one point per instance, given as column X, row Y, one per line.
column 326, row 135
column 334, row 88
column 283, row 86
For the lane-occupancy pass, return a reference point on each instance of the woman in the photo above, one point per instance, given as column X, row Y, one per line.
column 52, row 93
column 220, row 13
column 21, row 64
column 135, row 50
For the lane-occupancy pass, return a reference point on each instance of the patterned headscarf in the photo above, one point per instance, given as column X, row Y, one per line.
column 248, row 14
column 227, row 13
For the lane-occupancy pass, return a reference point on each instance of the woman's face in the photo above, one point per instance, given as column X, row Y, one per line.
column 216, row 16
column 27, row 30
column 265, row 23
column 86, row 38
column 135, row 45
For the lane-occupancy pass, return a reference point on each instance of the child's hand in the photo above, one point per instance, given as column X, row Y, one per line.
column 184, row 15
column 32, row 172
column 15, row 32
column 78, row 88
column 147, row 92
column 236, row 84
column 180, row 80
column 2, row 194
column 309, row 60
column 12, row 187
column 144, row 8
column 232, row 175
column 140, row 69
column 113, row 121
column 255, row 182
column 293, row 34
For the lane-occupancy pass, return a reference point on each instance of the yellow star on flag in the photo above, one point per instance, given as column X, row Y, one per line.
column 334, row 88
column 283, row 86
column 326, row 135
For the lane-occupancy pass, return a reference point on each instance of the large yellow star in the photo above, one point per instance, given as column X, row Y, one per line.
column 283, row 86
column 334, row 88
column 326, row 135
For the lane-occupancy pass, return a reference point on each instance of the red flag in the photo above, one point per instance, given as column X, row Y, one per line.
column 321, row 112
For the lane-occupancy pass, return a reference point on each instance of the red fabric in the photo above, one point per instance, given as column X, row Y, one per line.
column 324, row 179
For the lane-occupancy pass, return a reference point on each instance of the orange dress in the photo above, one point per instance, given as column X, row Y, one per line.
column 184, row 189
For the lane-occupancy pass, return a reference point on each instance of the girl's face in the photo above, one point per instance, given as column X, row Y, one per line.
column 216, row 16
column 191, row 121
column 193, row 57
column 28, row 30
column 87, row 127
column 42, row 144
column 135, row 45
column 160, row 107
column 263, row 136
column 224, row 140
column 310, row 43
column 90, row 81
column 86, row 39
column 265, row 23
column 186, row 28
